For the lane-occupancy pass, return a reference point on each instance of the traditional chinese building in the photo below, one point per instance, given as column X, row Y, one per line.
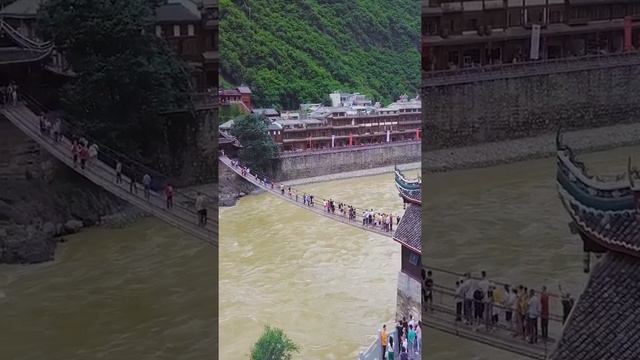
column 409, row 231
column 335, row 127
column 190, row 28
column 409, row 235
column 605, row 213
column 471, row 33
column 240, row 96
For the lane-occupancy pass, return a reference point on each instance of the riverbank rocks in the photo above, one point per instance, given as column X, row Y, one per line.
column 26, row 245
column 73, row 226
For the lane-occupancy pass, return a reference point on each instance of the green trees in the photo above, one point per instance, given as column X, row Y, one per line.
column 126, row 75
column 258, row 148
column 299, row 51
column 274, row 344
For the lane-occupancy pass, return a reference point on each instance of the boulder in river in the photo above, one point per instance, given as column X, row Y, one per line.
column 73, row 226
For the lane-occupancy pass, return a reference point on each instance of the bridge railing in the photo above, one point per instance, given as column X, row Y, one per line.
column 131, row 168
column 294, row 194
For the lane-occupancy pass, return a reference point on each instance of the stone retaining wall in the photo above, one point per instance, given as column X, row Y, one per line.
column 311, row 164
column 494, row 110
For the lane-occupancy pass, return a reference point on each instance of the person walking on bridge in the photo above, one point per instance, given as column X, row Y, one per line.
column 168, row 193
column 75, row 150
column 57, row 124
column 146, row 182
column 93, row 154
column 118, row 172
column 133, row 187
column 14, row 93
column 201, row 209
column 384, row 341
column 84, row 155
column 544, row 313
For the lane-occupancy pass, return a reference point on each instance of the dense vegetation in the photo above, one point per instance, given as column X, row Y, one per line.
column 274, row 344
column 291, row 52
column 127, row 77
column 258, row 148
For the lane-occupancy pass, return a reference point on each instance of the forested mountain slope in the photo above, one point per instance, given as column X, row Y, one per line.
column 293, row 51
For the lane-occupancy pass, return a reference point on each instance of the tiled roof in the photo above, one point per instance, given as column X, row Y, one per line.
column 229, row 92
column 21, row 9
column 409, row 231
column 175, row 12
column 604, row 323
column 615, row 230
column 18, row 55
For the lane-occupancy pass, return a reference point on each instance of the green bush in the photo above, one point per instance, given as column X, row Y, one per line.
column 274, row 344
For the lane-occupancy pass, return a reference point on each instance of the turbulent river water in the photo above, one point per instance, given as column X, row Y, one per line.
column 143, row 292
column 508, row 221
column 329, row 286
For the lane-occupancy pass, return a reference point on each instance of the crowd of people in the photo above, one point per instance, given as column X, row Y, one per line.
column 481, row 303
column 370, row 218
column 86, row 155
column 9, row 94
column 407, row 342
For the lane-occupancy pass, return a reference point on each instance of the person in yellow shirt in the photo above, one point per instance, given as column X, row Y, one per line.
column 384, row 341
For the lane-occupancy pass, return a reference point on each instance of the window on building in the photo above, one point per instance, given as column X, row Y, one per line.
column 556, row 17
column 472, row 24
column 515, row 17
column 176, row 30
column 414, row 259
column 159, row 30
column 190, row 30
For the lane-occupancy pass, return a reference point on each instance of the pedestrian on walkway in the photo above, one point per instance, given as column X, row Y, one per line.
column 133, row 187
column 533, row 312
column 168, row 193
column 146, row 182
column 390, row 352
column 75, row 150
column 419, row 338
column 201, row 209
column 84, row 155
column 403, row 354
column 56, row 130
column 544, row 313
column 14, row 94
column 41, row 120
column 118, row 172
column 384, row 341
column 411, row 339
column 93, row 154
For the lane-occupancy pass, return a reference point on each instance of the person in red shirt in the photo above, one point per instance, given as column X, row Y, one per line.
column 84, row 155
column 544, row 312
column 168, row 193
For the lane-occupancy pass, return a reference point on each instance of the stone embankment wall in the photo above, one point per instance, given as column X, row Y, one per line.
column 304, row 165
column 467, row 113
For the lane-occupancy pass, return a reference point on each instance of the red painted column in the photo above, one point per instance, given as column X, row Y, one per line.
column 628, row 39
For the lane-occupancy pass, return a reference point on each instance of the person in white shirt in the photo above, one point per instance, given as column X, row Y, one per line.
column 468, row 286
column 533, row 312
